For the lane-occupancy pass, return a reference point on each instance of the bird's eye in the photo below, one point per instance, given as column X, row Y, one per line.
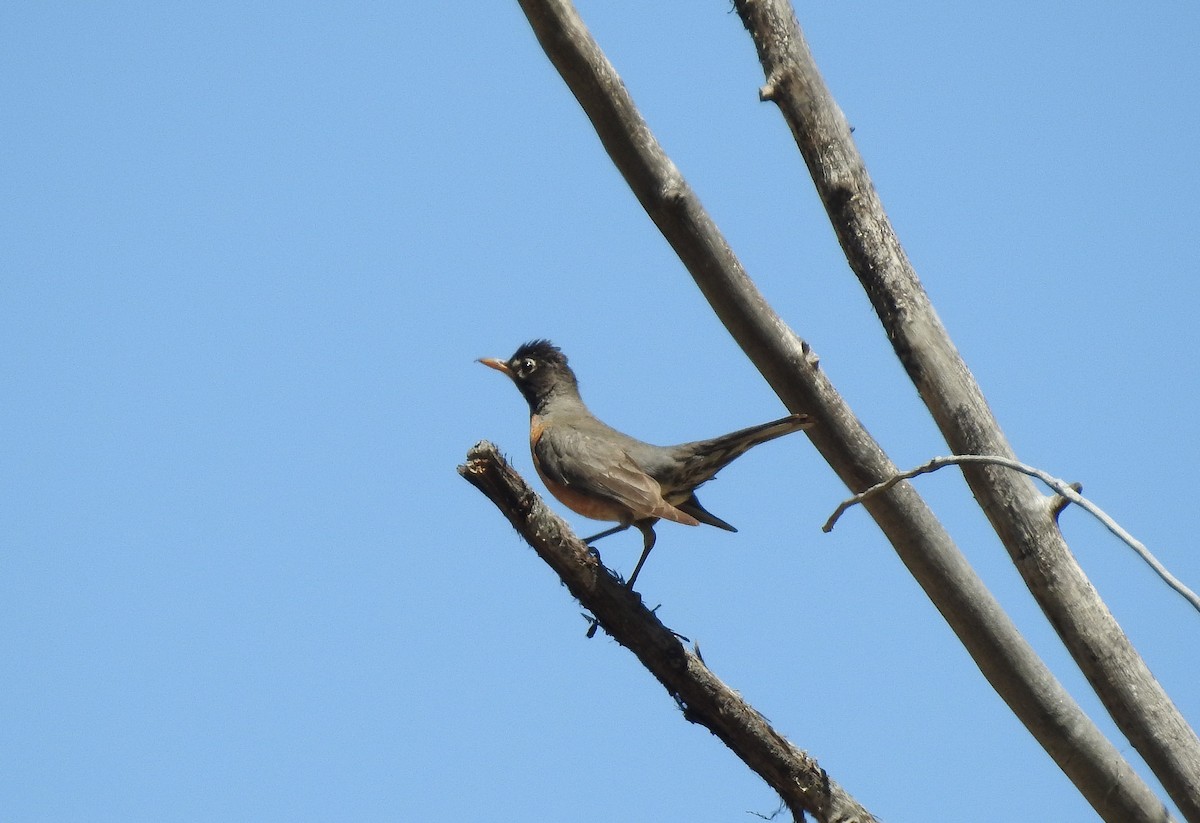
column 527, row 366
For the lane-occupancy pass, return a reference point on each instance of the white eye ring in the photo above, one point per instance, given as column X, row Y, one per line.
column 527, row 366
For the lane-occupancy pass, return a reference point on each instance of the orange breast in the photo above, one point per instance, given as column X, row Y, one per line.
column 579, row 502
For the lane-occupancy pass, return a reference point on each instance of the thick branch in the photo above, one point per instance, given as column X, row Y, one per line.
column 1002, row 654
column 1017, row 511
column 800, row 781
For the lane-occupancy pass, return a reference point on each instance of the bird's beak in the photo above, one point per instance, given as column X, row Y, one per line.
column 498, row 365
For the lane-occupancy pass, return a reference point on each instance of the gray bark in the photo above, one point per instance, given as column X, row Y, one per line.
column 1021, row 516
column 800, row 781
column 1010, row 665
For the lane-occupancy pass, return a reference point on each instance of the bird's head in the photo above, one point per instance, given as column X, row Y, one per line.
column 540, row 370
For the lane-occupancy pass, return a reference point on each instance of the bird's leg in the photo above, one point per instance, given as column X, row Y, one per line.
column 646, row 527
column 606, row 533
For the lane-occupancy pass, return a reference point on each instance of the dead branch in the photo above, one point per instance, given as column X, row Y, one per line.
column 1133, row 697
column 800, row 781
column 1005, row 658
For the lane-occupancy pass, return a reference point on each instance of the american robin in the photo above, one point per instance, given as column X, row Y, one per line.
column 603, row 474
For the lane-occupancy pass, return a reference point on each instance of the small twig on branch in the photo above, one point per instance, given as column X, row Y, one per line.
column 1066, row 491
column 800, row 781
column 1134, row 699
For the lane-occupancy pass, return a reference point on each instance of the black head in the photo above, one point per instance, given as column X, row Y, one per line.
column 540, row 371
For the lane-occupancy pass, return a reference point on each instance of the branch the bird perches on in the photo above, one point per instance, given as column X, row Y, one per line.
column 704, row 699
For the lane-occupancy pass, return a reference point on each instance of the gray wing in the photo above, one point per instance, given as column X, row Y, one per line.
column 602, row 466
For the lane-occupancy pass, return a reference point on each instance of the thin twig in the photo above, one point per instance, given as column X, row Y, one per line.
column 1065, row 490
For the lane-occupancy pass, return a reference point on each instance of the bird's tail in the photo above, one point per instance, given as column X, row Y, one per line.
column 692, row 506
column 719, row 451
column 697, row 462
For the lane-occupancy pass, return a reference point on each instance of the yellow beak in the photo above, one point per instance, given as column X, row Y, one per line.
column 498, row 365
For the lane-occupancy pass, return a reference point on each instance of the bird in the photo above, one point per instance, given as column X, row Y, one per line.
column 604, row 474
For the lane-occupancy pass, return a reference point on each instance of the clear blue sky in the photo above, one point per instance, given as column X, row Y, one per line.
column 250, row 253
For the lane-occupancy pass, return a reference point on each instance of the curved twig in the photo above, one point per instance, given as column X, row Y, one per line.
column 1067, row 491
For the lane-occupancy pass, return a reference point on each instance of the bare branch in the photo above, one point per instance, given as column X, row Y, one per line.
column 1135, row 700
column 1004, row 657
column 800, row 781
column 1068, row 492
